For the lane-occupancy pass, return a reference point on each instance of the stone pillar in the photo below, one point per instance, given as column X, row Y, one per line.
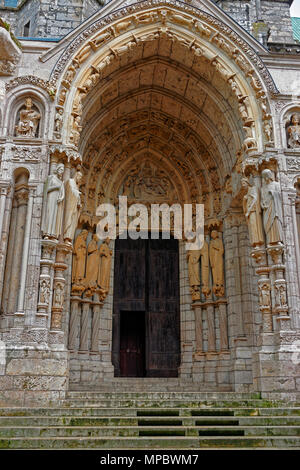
column 74, row 322
column 62, row 250
column 22, row 199
column 199, row 327
column 96, row 325
column 25, row 253
column 4, row 230
column 222, row 304
column 84, row 325
column 211, row 339
column 280, row 297
column 45, row 283
column 264, row 287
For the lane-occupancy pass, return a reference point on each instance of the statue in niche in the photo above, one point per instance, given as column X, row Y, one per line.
column 44, row 291
column 193, row 257
column 252, row 210
column 78, row 268
column 216, row 252
column 204, row 254
column 29, row 120
column 54, row 194
column 272, row 208
column 92, row 264
column 293, row 132
column 59, row 119
column 105, row 254
column 72, row 206
column 58, row 295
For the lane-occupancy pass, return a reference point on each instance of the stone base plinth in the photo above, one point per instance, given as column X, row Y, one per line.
column 31, row 376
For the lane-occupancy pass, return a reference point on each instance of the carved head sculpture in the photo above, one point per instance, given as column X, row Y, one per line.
column 295, row 119
column 60, row 170
column 267, row 176
column 28, row 103
column 78, row 177
column 245, row 183
column 84, row 234
column 214, row 234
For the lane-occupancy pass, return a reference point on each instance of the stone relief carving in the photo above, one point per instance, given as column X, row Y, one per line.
column 105, row 254
column 204, row 256
column 293, row 132
column 54, row 194
column 272, row 208
column 72, row 206
column 92, row 263
column 32, row 80
column 252, row 210
column 79, row 258
column 28, row 121
column 216, row 258
column 193, row 257
column 26, row 154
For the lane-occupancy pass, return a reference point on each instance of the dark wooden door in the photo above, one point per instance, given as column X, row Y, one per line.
column 132, row 344
column 146, row 285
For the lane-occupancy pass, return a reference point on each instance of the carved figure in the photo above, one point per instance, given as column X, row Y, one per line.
column 193, row 257
column 59, row 119
column 104, row 267
column 44, row 291
column 92, row 264
column 293, row 131
column 204, row 253
column 252, row 210
column 216, row 252
column 78, row 268
column 29, row 119
column 272, row 208
column 54, row 194
column 72, row 206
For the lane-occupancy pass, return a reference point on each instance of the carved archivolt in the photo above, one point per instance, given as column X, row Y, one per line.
column 187, row 31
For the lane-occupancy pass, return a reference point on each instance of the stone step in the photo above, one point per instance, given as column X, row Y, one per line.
column 171, row 403
column 135, row 431
column 178, row 442
column 76, row 421
column 132, row 412
column 161, row 394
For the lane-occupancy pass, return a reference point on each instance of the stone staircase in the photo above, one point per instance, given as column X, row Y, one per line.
column 153, row 420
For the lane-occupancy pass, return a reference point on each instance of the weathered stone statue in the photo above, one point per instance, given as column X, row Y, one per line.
column 104, row 266
column 293, row 131
column 92, row 264
column 252, row 210
column 205, row 269
column 29, row 119
column 216, row 252
column 72, row 206
column 272, row 208
column 54, row 194
column 78, row 268
column 193, row 257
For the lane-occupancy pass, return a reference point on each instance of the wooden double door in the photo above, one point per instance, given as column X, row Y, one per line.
column 146, row 316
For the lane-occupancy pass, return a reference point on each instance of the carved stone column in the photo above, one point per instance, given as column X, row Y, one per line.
column 84, row 330
column 4, row 230
column 97, row 305
column 222, row 307
column 45, row 281
column 197, row 307
column 74, row 320
column 264, row 287
column 25, row 253
column 211, row 339
column 281, row 307
column 21, row 196
column 62, row 250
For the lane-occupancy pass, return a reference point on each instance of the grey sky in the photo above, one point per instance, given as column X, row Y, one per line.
column 295, row 9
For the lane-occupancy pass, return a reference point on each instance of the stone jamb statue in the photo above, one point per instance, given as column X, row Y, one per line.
column 54, row 194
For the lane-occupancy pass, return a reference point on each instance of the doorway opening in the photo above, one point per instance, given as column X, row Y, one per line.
column 146, row 315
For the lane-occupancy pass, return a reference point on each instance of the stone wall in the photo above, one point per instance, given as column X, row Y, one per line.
column 48, row 19
column 275, row 14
